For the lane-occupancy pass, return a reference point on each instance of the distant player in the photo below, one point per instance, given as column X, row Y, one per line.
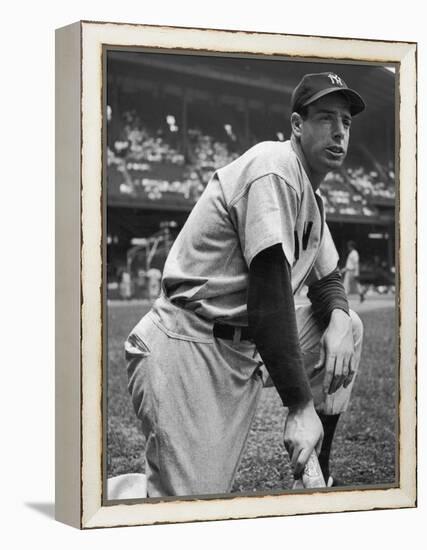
column 126, row 285
column 351, row 272
column 256, row 236
column 154, row 276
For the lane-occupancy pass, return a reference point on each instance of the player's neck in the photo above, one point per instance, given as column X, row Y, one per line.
column 314, row 177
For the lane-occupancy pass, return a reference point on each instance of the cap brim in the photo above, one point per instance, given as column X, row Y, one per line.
column 357, row 105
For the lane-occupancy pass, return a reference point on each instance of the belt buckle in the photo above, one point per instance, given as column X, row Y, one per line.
column 237, row 335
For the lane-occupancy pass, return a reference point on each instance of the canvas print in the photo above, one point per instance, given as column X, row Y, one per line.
column 250, row 275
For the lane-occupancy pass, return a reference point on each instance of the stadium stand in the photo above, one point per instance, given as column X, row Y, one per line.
column 172, row 121
column 150, row 167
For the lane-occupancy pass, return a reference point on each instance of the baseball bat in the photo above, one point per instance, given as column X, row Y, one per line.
column 312, row 477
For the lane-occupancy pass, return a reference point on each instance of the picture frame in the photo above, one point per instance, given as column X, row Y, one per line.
column 81, row 266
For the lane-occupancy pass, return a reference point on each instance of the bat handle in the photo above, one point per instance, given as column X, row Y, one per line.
column 312, row 476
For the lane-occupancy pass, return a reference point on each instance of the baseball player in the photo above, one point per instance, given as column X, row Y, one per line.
column 351, row 272
column 226, row 316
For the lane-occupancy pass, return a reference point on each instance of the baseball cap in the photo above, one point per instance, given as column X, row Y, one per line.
column 314, row 86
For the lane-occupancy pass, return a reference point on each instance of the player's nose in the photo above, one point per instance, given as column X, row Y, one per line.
column 339, row 129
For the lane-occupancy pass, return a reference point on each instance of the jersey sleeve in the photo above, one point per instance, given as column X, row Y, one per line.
column 272, row 321
column 326, row 260
column 265, row 215
column 327, row 294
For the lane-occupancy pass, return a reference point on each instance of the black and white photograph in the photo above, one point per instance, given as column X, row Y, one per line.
column 236, row 268
column 251, row 282
column 213, row 275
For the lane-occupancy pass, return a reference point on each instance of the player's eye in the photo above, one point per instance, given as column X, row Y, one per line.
column 325, row 119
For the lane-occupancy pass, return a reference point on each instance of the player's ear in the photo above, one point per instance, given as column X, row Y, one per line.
column 296, row 124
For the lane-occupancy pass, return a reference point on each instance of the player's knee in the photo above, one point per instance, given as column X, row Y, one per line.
column 357, row 327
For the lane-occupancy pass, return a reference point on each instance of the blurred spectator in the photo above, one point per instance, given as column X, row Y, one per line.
column 370, row 184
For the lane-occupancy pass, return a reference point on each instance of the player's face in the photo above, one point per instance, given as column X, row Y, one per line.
column 325, row 133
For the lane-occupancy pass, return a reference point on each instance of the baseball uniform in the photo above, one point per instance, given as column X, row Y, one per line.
column 196, row 394
column 351, row 275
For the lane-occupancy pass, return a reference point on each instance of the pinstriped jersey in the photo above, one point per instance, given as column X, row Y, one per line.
column 261, row 199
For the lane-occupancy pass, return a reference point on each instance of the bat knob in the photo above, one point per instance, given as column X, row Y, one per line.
column 312, row 476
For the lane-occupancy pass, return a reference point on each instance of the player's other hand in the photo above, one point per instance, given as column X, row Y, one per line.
column 337, row 352
column 303, row 433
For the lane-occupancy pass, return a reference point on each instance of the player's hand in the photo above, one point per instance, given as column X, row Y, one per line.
column 303, row 433
column 337, row 352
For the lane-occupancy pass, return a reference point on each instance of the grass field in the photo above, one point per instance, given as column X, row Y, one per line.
column 365, row 442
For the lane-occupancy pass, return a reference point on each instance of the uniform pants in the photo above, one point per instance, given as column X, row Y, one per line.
column 196, row 396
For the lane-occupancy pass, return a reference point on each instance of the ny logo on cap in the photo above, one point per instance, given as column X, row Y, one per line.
column 335, row 79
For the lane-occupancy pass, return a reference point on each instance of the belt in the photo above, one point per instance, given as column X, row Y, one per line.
column 228, row 332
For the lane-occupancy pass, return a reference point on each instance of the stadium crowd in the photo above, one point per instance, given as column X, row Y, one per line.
column 155, row 163
column 152, row 162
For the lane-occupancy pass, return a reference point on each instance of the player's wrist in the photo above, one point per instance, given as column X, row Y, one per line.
column 302, row 407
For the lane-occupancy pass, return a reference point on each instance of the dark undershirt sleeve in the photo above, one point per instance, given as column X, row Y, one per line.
column 272, row 322
column 326, row 295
